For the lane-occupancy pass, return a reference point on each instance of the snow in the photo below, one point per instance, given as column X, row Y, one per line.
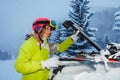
column 68, row 72
column 116, row 28
column 99, row 74
column 91, row 33
column 93, row 29
column 117, row 23
column 81, row 72
column 93, row 38
column 80, row 43
column 117, row 18
column 117, row 13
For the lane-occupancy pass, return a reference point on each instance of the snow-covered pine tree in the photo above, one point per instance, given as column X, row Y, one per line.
column 116, row 26
column 117, row 21
column 106, row 41
column 80, row 15
column 56, row 35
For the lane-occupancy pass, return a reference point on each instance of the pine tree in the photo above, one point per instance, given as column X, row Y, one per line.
column 117, row 21
column 116, row 26
column 106, row 41
column 80, row 15
column 56, row 35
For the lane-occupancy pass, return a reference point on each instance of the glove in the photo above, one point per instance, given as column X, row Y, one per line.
column 52, row 62
column 100, row 57
column 74, row 36
column 105, row 52
column 115, row 56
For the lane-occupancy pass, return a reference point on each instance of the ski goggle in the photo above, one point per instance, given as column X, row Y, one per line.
column 52, row 23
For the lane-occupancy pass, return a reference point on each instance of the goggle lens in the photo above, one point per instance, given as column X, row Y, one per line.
column 53, row 22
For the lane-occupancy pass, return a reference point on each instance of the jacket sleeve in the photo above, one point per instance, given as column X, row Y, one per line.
column 65, row 44
column 24, row 64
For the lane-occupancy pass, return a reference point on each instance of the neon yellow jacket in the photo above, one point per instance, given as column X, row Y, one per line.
column 30, row 56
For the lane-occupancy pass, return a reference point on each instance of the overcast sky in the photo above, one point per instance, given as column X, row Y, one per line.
column 104, row 3
column 16, row 17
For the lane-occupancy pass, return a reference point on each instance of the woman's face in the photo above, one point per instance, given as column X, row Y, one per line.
column 46, row 32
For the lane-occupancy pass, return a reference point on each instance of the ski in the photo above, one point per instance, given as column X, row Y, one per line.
column 87, row 59
column 70, row 24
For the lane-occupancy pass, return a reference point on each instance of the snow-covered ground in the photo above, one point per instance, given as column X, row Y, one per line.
column 82, row 72
column 7, row 71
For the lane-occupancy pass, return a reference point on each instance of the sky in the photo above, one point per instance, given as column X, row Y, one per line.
column 97, row 4
column 16, row 17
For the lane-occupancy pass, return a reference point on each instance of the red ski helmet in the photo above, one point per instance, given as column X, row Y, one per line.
column 39, row 23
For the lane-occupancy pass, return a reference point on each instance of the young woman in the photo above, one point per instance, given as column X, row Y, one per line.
column 34, row 59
